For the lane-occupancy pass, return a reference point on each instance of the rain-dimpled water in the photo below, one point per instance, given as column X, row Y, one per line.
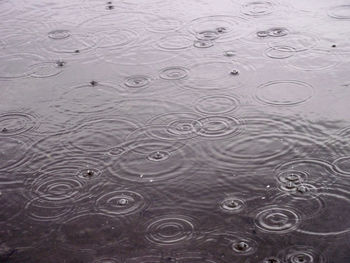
column 187, row 131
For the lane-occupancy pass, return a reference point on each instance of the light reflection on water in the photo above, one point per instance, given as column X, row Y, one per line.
column 174, row 131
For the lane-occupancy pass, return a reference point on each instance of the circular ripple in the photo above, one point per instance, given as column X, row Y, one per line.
column 277, row 219
column 164, row 24
column 18, row 65
column 292, row 176
column 117, row 38
column 207, row 35
column 46, row 69
column 336, row 210
column 87, row 98
column 212, row 75
column 298, row 42
column 232, row 205
column 70, row 42
column 284, row 92
column 314, row 60
column 13, row 153
column 301, row 254
column 227, row 28
column 90, row 231
column 216, row 104
column 101, row 135
column 258, row 8
column 13, row 123
column 203, row 43
column 151, row 160
column 173, row 73
column 41, row 210
column 137, row 81
column 218, row 126
column 279, row 52
column 342, row 165
column 120, row 202
column 175, row 42
column 59, row 34
column 340, row 12
column 175, row 126
column 278, row 31
column 170, row 230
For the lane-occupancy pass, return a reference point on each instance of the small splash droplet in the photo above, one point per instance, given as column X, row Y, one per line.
column 234, row 72
column 241, row 246
column 60, row 63
column 123, row 201
column 93, row 83
column 221, row 30
column 158, row 156
column 334, row 45
column 77, row 51
column 4, row 130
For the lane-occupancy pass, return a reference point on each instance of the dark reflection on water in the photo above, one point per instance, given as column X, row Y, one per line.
column 174, row 131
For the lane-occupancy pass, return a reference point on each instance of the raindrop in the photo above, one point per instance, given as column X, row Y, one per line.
column 59, row 34
column 207, row 35
column 137, row 81
column 158, row 156
column 277, row 31
column 173, row 73
column 232, row 205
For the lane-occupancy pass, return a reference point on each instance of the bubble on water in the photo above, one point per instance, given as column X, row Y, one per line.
column 277, row 220
column 284, row 92
column 173, row 73
column 59, row 34
column 170, row 230
column 340, row 12
column 137, row 81
column 121, row 202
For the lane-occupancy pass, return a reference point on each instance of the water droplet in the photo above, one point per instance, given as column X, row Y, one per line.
column 93, row 83
column 137, row 81
column 240, row 246
column 158, row 156
column 234, row 72
column 278, row 31
column 230, row 53
column 221, row 30
column 232, row 205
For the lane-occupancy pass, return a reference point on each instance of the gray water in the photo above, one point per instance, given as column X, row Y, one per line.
column 145, row 131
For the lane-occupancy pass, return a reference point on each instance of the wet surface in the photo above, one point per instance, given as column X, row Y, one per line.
column 174, row 131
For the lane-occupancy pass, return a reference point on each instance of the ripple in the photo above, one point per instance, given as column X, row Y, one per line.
column 298, row 254
column 342, row 165
column 106, row 260
column 314, row 60
column 218, row 126
column 164, row 24
column 227, row 28
column 212, row 75
column 258, row 8
column 13, row 153
column 120, row 202
column 12, row 204
column 292, row 176
column 284, row 92
column 100, row 135
column 277, row 220
column 336, row 210
column 170, row 230
column 277, row 31
column 18, row 65
column 152, row 160
column 40, row 210
column 137, row 81
column 340, row 12
column 117, row 38
column 232, row 205
column 279, row 52
column 87, row 98
column 207, row 35
column 175, row 126
column 90, row 232
column 47, row 69
column 64, row 41
column 203, row 43
column 59, row 34
column 175, row 42
column 297, row 41
column 216, row 104
column 173, row 73
column 14, row 123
